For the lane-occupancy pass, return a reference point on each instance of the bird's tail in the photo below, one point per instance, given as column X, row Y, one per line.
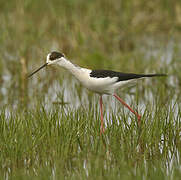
column 152, row 75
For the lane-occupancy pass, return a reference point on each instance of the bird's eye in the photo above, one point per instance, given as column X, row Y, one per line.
column 55, row 55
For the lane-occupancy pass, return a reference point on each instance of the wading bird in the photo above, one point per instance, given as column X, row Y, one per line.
column 98, row 81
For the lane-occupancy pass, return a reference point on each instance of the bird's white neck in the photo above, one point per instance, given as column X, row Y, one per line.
column 72, row 68
column 81, row 74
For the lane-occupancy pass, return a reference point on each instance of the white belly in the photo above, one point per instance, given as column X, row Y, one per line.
column 99, row 85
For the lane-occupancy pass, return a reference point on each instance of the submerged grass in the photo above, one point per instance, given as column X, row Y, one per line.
column 67, row 144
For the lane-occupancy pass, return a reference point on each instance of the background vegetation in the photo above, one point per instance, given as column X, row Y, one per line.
column 49, row 125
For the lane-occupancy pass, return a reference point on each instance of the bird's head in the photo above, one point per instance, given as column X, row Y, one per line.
column 52, row 58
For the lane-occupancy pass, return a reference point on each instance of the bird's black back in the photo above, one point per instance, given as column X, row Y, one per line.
column 121, row 76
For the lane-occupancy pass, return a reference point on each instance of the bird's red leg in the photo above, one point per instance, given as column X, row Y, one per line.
column 138, row 116
column 102, row 122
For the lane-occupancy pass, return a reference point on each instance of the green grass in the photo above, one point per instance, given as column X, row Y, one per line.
column 67, row 144
column 50, row 126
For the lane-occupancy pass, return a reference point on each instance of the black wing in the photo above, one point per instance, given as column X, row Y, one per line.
column 121, row 76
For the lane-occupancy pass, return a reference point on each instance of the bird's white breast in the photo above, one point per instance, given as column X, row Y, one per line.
column 106, row 85
column 98, row 85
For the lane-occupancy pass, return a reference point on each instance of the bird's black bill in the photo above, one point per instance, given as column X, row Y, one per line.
column 37, row 70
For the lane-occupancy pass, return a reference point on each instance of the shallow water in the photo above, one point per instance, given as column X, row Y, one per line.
column 70, row 92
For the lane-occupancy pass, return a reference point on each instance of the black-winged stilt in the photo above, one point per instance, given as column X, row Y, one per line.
column 99, row 81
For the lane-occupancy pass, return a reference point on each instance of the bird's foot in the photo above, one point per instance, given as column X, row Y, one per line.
column 139, row 119
column 102, row 130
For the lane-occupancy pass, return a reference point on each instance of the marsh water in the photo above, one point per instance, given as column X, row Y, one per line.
column 56, row 87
